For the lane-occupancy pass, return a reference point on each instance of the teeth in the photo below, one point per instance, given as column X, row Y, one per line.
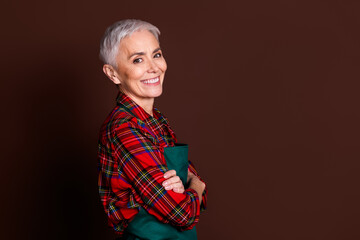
column 154, row 80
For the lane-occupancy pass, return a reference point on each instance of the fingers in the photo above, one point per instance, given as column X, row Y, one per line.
column 179, row 190
column 169, row 174
column 173, row 182
column 176, row 187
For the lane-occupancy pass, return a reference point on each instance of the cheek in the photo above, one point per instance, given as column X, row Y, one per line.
column 164, row 66
column 134, row 73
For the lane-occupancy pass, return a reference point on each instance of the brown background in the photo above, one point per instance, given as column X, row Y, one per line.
column 265, row 92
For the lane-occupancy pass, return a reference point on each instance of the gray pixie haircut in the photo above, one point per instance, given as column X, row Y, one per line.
column 109, row 45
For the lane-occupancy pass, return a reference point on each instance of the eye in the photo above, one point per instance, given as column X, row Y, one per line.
column 157, row 55
column 137, row 60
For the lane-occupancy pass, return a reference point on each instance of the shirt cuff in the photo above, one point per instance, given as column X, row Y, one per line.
column 203, row 205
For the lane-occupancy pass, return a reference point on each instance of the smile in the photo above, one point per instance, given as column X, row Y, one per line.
column 154, row 81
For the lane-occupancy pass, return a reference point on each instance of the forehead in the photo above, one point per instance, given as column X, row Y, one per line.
column 139, row 41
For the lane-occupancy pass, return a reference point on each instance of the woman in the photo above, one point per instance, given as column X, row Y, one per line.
column 147, row 186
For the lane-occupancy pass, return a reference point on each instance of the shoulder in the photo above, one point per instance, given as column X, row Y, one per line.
column 119, row 119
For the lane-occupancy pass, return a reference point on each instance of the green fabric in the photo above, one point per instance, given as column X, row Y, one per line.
column 177, row 158
column 145, row 226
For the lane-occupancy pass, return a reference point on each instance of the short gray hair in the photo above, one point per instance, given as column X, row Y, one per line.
column 109, row 45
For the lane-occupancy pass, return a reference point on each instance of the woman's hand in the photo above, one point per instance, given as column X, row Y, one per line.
column 195, row 183
column 173, row 182
column 190, row 176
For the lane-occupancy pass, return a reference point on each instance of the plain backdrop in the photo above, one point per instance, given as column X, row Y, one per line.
column 266, row 93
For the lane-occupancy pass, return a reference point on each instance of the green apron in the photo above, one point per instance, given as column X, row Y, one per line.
column 146, row 226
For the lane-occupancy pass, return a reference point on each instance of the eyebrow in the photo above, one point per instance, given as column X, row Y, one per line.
column 142, row 53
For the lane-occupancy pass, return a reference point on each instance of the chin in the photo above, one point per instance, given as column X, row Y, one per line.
column 156, row 93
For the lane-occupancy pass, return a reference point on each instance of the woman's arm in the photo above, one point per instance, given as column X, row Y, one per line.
column 193, row 171
column 143, row 165
column 173, row 182
column 196, row 184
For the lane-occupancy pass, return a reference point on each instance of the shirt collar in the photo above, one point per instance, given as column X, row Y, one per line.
column 158, row 124
column 126, row 102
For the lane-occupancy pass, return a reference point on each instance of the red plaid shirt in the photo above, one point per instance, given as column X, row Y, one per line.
column 132, row 165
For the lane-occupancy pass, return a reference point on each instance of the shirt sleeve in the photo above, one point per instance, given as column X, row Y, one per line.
column 142, row 162
column 204, row 195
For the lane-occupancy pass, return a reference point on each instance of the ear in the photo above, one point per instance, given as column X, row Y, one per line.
column 111, row 73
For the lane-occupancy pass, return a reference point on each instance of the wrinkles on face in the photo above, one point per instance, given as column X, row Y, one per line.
column 141, row 67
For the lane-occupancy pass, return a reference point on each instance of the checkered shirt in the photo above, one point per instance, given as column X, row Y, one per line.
column 132, row 165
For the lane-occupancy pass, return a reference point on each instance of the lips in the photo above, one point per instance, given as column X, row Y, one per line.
column 151, row 81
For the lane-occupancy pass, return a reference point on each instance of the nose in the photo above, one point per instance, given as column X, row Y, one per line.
column 153, row 67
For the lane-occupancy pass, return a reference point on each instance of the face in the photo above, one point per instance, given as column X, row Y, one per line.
column 140, row 67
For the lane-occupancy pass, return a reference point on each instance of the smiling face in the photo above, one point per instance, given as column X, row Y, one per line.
column 140, row 67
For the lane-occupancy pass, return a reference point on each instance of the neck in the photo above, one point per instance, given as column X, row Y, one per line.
column 148, row 106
